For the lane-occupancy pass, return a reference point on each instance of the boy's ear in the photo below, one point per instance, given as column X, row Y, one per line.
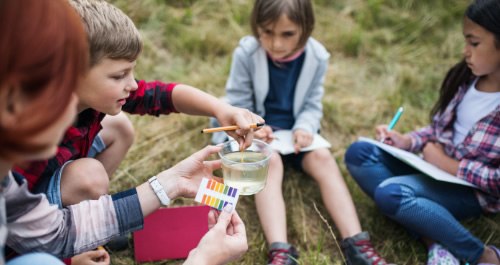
column 11, row 105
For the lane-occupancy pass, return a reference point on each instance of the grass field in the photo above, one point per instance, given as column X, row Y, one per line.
column 385, row 53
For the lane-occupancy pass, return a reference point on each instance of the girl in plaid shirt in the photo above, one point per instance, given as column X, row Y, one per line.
column 463, row 139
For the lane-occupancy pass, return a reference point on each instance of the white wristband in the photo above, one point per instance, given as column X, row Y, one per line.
column 160, row 192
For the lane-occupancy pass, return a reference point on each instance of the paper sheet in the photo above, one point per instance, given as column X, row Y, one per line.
column 418, row 163
column 284, row 142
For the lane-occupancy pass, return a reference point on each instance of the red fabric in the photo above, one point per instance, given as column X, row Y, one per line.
column 153, row 98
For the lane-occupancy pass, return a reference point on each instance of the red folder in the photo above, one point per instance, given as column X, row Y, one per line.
column 170, row 233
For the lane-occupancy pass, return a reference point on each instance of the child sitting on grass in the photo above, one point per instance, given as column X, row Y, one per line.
column 279, row 73
column 463, row 139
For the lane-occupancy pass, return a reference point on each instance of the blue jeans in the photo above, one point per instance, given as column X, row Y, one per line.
column 424, row 206
column 36, row 258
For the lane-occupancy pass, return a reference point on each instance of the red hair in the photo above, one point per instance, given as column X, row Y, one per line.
column 43, row 51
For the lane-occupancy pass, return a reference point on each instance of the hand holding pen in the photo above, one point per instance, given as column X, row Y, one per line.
column 228, row 115
column 230, row 128
column 383, row 132
column 387, row 135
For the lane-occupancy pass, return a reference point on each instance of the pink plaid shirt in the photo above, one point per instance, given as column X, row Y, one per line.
column 479, row 153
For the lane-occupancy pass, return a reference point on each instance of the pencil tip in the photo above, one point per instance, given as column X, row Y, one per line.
column 260, row 124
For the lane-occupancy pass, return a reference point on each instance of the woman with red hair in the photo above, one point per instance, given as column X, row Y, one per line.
column 44, row 55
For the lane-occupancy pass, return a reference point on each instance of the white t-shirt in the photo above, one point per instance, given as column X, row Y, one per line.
column 474, row 106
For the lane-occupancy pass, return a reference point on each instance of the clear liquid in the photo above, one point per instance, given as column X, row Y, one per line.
column 250, row 176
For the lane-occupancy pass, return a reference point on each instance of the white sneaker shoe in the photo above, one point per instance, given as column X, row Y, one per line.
column 438, row 255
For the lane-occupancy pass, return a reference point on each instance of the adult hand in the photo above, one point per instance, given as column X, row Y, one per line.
column 265, row 134
column 94, row 257
column 184, row 178
column 225, row 241
column 301, row 139
column 393, row 137
column 228, row 115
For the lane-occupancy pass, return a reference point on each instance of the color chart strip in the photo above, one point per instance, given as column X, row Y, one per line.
column 216, row 194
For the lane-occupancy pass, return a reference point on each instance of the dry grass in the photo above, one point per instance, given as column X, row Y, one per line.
column 385, row 53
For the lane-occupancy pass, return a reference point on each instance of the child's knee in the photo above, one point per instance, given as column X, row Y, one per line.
column 86, row 176
column 388, row 198
column 275, row 160
column 118, row 128
column 358, row 152
column 322, row 156
column 124, row 126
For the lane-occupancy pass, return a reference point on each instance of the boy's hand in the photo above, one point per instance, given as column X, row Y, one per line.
column 393, row 137
column 184, row 178
column 224, row 242
column 94, row 257
column 228, row 115
column 301, row 139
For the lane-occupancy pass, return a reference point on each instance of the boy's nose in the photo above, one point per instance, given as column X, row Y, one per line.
column 132, row 85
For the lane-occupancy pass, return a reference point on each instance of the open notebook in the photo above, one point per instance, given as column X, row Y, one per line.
column 170, row 233
column 284, row 142
column 418, row 163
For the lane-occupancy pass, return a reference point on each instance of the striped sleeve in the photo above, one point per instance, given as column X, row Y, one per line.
column 35, row 225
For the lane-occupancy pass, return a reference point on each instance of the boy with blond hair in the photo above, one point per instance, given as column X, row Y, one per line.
column 94, row 146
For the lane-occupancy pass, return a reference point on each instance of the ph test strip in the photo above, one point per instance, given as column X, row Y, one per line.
column 216, row 194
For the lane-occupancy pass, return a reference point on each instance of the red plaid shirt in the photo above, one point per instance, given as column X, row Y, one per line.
column 479, row 153
column 153, row 98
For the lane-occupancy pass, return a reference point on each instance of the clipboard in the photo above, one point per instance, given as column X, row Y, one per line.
column 418, row 163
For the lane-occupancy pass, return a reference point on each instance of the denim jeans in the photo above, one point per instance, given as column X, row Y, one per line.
column 36, row 258
column 424, row 206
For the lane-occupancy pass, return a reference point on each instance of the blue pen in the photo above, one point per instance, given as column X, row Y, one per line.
column 395, row 119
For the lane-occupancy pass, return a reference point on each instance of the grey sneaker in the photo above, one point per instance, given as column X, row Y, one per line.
column 118, row 243
column 358, row 250
column 282, row 254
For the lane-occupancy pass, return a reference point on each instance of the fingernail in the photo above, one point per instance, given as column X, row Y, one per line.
column 228, row 208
